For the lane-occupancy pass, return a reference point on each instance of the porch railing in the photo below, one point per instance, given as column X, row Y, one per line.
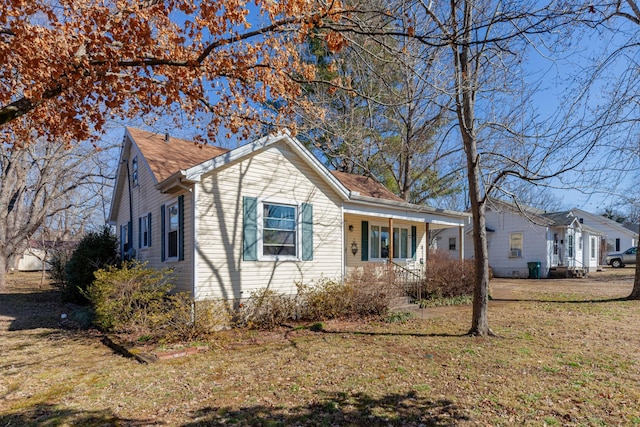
column 408, row 278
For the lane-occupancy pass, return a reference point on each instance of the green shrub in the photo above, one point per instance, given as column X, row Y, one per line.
column 133, row 299
column 399, row 316
column 95, row 251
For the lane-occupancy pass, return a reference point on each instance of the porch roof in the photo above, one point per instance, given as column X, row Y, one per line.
column 383, row 208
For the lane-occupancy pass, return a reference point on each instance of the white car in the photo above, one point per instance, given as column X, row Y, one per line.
column 620, row 259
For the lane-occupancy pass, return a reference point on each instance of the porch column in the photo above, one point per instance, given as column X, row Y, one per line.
column 428, row 240
column 461, row 240
column 390, row 240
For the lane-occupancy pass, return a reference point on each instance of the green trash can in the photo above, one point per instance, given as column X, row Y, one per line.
column 534, row 269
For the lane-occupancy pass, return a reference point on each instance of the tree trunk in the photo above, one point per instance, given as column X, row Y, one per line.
column 635, row 293
column 480, row 319
column 3, row 271
column 466, row 90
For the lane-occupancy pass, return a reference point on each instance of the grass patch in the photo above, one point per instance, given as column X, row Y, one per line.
column 446, row 301
column 555, row 363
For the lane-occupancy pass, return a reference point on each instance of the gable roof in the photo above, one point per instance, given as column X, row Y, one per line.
column 536, row 216
column 365, row 186
column 564, row 218
column 604, row 221
column 179, row 162
column 167, row 156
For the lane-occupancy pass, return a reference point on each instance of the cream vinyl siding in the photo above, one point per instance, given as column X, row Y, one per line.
column 147, row 199
column 274, row 174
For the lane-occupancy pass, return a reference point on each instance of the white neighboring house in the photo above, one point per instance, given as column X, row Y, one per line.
column 519, row 235
column 38, row 253
column 615, row 236
column 266, row 214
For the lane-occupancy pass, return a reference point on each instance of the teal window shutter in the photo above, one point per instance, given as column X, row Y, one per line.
column 307, row 232
column 122, row 242
column 162, row 232
column 181, row 228
column 414, row 241
column 149, row 229
column 139, row 232
column 364, row 244
column 249, row 228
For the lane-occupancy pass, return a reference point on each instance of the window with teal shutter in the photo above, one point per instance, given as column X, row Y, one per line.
column 364, row 243
column 163, row 228
column 249, row 228
column 307, row 232
column 181, row 228
column 149, row 225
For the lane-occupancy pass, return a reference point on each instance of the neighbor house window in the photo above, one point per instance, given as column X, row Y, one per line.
column 279, row 230
column 570, row 245
column 515, row 245
column 144, row 231
column 617, row 245
column 452, row 243
column 134, row 171
column 593, row 248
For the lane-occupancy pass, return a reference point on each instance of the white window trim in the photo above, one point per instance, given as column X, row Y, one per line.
column 516, row 252
column 167, row 230
column 399, row 227
column 145, row 220
column 260, row 225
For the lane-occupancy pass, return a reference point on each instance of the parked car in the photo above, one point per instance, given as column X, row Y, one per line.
column 619, row 259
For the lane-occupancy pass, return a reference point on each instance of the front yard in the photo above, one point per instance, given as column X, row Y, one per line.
column 568, row 355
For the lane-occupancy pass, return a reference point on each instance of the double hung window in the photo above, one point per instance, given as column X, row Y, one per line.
column 515, row 245
column 172, row 233
column 279, row 230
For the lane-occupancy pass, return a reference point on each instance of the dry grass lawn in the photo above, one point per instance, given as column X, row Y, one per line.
column 568, row 355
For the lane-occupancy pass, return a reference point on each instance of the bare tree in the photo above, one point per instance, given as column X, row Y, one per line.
column 43, row 184
column 482, row 45
column 620, row 18
column 380, row 116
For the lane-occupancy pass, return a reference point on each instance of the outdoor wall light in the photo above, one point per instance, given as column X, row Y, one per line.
column 350, row 227
column 354, row 248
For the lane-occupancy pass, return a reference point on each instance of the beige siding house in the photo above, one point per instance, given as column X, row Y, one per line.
column 267, row 214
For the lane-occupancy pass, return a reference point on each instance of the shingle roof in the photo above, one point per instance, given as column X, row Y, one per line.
column 365, row 186
column 561, row 218
column 166, row 158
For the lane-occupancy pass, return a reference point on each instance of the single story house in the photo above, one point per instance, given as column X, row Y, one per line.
column 520, row 235
column 266, row 214
column 615, row 236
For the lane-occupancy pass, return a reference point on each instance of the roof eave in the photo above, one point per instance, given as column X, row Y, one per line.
column 176, row 182
column 368, row 200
